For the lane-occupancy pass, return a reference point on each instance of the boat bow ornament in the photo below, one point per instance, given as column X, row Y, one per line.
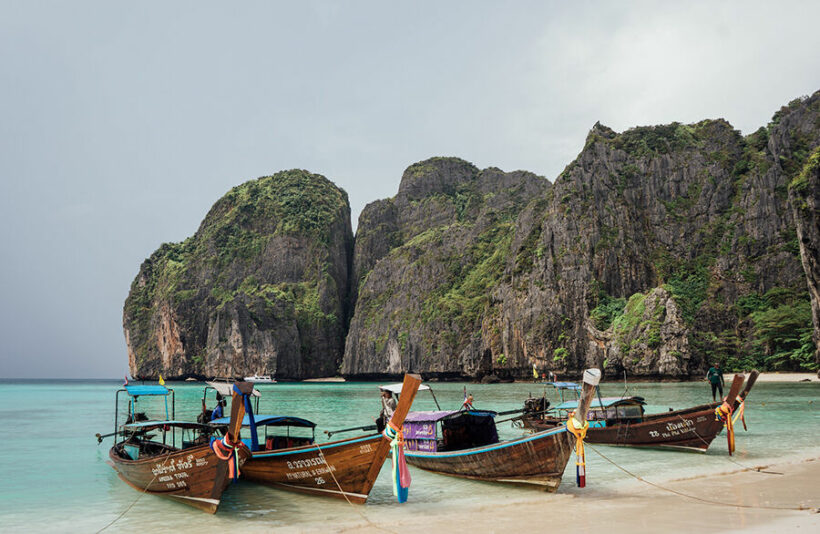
column 400, row 473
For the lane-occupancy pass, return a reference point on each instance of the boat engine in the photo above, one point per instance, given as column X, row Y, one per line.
column 535, row 405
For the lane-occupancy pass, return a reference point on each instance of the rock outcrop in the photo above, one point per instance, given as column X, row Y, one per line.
column 804, row 193
column 656, row 250
column 426, row 263
column 261, row 287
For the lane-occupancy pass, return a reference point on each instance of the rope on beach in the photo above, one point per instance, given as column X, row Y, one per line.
column 694, row 497
column 329, row 470
column 729, row 458
column 143, row 492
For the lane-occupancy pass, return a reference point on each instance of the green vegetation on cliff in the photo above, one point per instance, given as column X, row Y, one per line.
column 266, row 247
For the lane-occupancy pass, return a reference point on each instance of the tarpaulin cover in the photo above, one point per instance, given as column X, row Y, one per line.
column 135, row 391
column 226, row 389
column 428, row 416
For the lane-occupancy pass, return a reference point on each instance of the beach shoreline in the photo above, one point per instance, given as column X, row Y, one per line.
column 779, row 496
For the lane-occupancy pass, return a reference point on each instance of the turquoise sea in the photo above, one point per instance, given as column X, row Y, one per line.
column 53, row 475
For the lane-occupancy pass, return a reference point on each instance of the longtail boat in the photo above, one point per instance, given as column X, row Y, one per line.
column 621, row 420
column 344, row 469
column 465, row 444
column 178, row 459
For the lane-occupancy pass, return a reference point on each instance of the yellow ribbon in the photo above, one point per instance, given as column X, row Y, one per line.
column 724, row 413
column 580, row 434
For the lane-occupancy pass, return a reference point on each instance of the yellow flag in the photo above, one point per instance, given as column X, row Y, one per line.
column 534, row 371
column 161, row 381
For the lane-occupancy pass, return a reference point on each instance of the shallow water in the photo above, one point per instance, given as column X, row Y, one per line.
column 54, row 475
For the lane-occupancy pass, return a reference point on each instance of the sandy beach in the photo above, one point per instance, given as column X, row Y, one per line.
column 788, row 377
column 782, row 497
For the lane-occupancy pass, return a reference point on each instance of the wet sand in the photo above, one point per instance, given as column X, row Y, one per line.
column 752, row 501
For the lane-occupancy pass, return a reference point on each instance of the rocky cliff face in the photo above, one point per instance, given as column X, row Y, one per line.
column 804, row 194
column 260, row 288
column 656, row 250
column 426, row 263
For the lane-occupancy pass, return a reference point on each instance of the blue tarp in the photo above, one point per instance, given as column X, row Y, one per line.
column 146, row 390
column 266, row 420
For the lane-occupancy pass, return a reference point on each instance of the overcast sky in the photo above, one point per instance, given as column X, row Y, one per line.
column 121, row 123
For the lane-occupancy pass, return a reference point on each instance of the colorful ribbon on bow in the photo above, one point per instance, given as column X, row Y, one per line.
column 580, row 460
column 724, row 413
column 226, row 450
column 400, row 473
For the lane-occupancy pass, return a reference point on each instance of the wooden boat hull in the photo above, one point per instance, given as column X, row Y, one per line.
column 194, row 476
column 690, row 429
column 538, row 459
column 344, row 469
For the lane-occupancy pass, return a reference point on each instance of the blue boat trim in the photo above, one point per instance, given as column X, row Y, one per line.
column 479, row 450
column 314, row 447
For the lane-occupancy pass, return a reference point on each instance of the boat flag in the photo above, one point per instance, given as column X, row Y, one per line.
column 161, row 381
column 126, row 381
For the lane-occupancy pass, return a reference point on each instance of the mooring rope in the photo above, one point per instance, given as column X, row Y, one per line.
column 143, row 492
column 729, row 458
column 344, row 494
column 695, row 497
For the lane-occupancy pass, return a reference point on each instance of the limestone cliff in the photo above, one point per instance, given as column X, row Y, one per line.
column 804, row 193
column 260, row 288
column 657, row 250
column 426, row 263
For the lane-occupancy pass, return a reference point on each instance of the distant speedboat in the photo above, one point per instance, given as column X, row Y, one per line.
column 265, row 379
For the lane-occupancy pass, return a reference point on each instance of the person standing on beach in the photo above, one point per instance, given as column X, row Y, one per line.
column 715, row 377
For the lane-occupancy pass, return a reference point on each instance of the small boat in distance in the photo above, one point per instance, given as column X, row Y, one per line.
column 260, row 379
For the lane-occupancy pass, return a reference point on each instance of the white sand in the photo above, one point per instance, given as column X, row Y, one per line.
column 788, row 377
column 753, row 502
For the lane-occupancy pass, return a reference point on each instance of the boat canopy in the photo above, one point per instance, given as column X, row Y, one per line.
column 396, row 388
column 605, row 402
column 152, row 424
column 136, row 391
column 435, row 416
column 226, row 389
column 269, row 420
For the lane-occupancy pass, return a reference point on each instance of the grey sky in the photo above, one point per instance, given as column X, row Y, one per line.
column 122, row 122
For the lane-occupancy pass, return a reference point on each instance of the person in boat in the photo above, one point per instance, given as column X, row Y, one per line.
column 216, row 413
column 388, row 407
column 715, row 377
column 468, row 403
